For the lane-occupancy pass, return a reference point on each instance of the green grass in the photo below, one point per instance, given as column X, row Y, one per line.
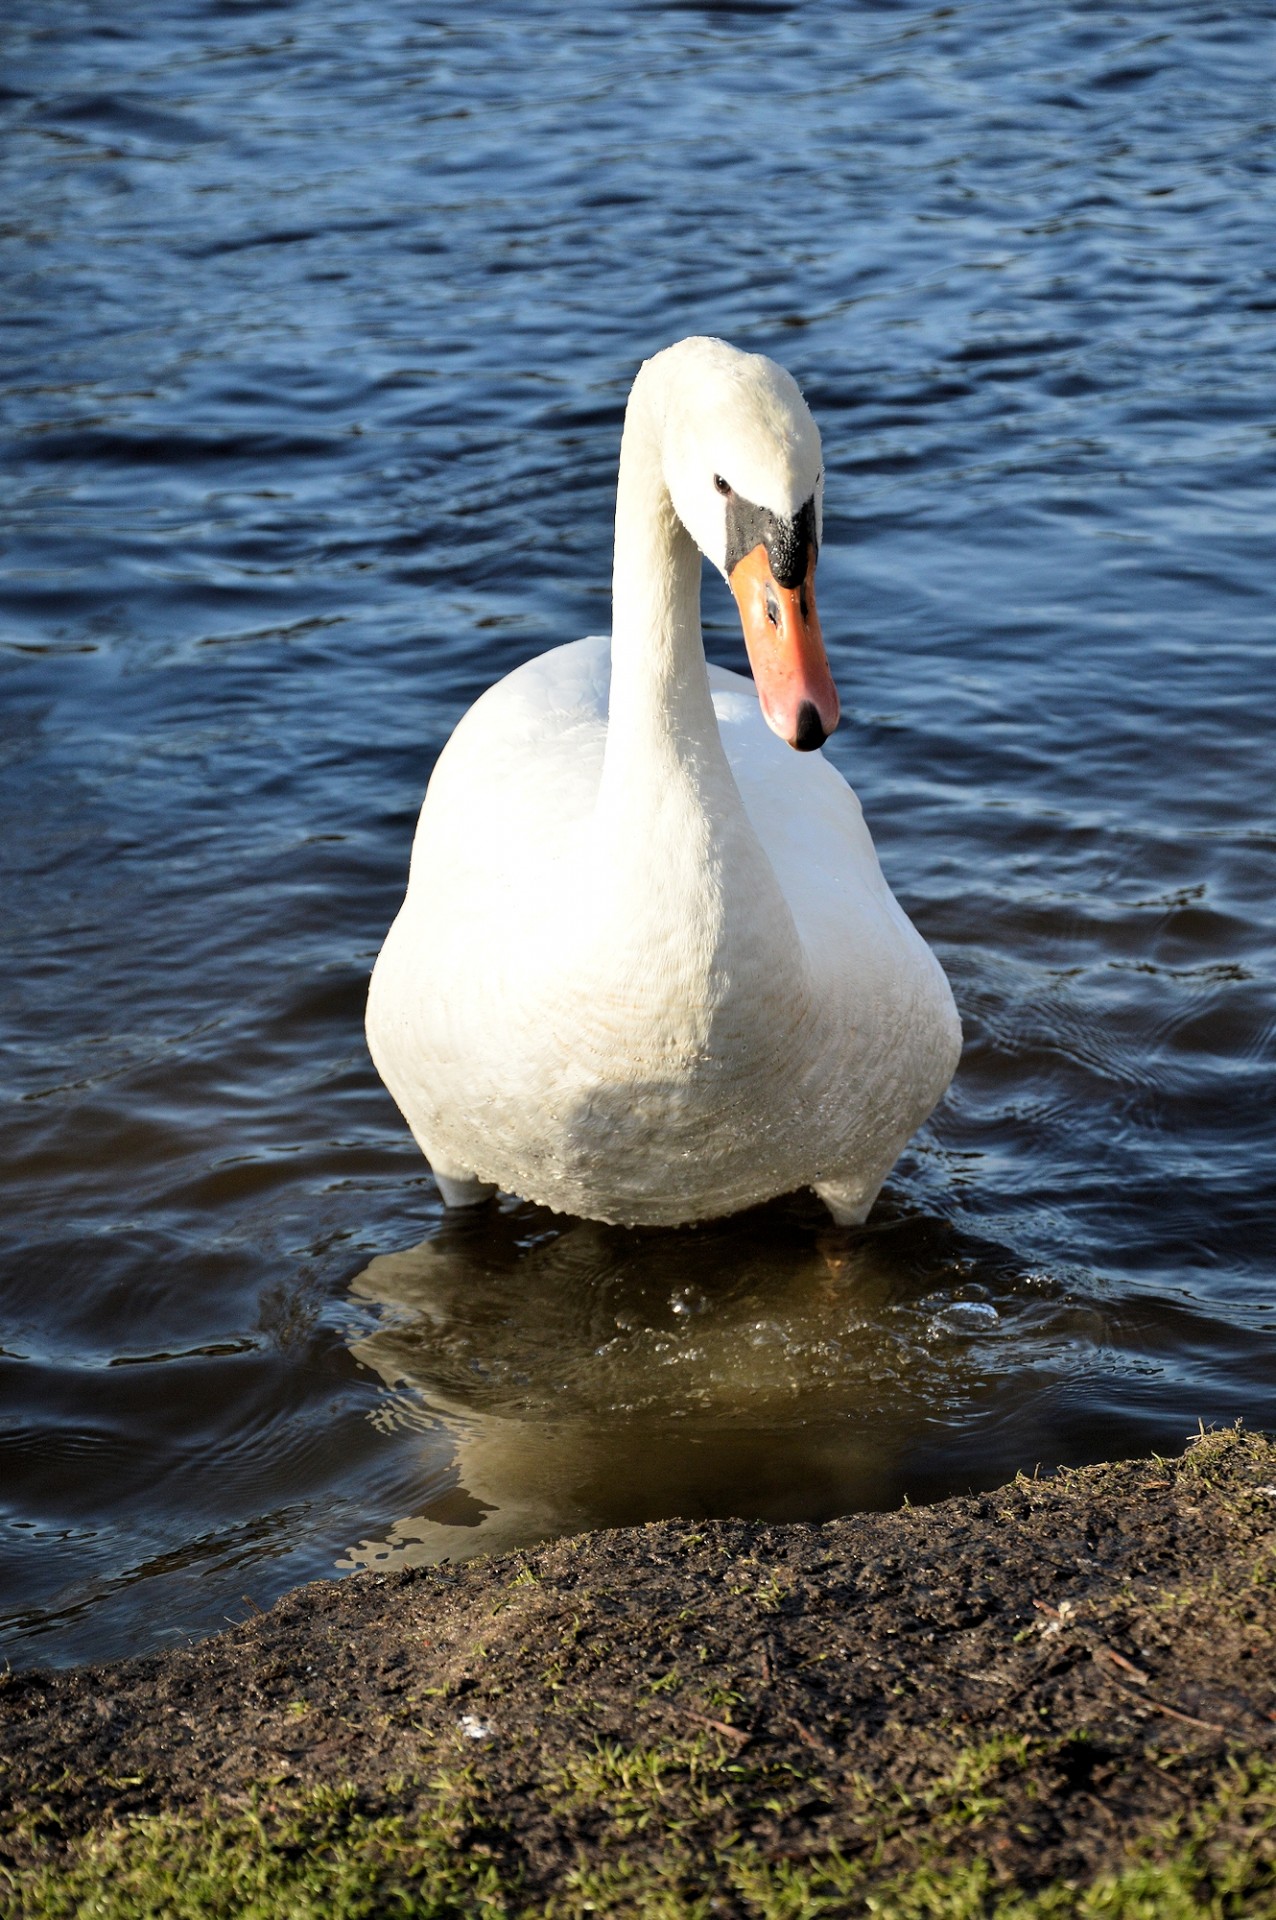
column 311, row 1856
column 442, row 1854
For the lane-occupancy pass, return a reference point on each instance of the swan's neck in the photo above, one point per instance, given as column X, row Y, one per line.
column 688, row 904
column 661, row 722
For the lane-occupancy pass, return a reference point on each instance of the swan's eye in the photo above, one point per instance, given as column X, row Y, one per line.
column 723, row 486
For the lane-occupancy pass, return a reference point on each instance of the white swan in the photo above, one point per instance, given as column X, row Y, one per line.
column 648, row 969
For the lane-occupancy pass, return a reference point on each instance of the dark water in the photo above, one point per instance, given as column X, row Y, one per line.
column 318, row 322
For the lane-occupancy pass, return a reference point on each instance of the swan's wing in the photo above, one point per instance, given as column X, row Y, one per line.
column 507, row 805
column 899, row 1027
column 520, row 773
column 809, row 822
column 517, row 782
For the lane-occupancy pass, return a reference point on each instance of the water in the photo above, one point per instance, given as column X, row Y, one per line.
column 318, row 324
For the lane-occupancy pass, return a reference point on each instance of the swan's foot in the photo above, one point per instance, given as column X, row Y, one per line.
column 849, row 1201
column 461, row 1189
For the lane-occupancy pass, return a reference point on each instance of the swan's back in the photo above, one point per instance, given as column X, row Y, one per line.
column 517, row 784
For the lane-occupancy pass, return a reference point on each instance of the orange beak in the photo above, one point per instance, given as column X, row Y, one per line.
column 786, row 651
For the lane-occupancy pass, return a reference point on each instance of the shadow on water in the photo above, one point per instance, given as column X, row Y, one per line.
column 770, row 1367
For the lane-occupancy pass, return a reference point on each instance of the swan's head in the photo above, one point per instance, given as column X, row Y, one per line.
column 743, row 467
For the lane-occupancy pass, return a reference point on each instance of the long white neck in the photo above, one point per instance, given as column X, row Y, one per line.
column 686, row 889
column 661, row 722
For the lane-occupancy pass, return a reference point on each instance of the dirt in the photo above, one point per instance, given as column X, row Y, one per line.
column 1035, row 1677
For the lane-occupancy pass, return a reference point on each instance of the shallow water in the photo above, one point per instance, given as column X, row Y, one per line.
column 317, row 325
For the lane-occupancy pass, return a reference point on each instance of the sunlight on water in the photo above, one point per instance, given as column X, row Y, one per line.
column 318, row 328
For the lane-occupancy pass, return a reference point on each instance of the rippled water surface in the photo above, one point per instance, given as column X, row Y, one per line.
column 317, row 326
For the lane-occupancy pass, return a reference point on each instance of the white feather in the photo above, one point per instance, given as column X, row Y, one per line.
column 648, row 969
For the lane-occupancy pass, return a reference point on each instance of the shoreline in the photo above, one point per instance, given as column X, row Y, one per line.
column 1060, row 1692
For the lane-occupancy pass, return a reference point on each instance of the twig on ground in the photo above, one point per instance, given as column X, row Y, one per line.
column 1118, row 1659
column 737, row 1734
column 805, row 1734
column 1174, row 1713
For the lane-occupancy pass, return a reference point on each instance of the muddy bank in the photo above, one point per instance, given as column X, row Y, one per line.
column 1069, row 1682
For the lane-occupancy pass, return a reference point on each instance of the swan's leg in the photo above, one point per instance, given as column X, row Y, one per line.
column 849, row 1201
column 461, row 1189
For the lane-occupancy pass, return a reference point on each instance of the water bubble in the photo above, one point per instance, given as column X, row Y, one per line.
column 966, row 1316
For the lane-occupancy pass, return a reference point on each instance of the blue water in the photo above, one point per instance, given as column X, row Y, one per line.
column 317, row 327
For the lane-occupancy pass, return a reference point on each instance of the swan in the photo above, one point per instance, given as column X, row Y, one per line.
column 647, row 969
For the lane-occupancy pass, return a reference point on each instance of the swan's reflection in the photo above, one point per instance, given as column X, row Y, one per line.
column 767, row 1366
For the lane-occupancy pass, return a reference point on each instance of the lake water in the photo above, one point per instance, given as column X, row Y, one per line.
column 317, row 327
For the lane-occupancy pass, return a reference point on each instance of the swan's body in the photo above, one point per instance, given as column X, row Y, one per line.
column 648, row 969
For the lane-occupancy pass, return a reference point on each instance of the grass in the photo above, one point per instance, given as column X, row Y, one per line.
column 315, row 1855
column 915, row 1806
column 441, row 1854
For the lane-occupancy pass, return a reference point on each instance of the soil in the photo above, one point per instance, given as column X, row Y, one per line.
column 1035, row 1677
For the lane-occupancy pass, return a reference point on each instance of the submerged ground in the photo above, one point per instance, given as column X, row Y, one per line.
column 1059, row 1698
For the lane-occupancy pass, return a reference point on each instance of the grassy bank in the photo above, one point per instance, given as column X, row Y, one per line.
column 1057, row 1699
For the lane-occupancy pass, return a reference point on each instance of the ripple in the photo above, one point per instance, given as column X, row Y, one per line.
column 313, row 387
